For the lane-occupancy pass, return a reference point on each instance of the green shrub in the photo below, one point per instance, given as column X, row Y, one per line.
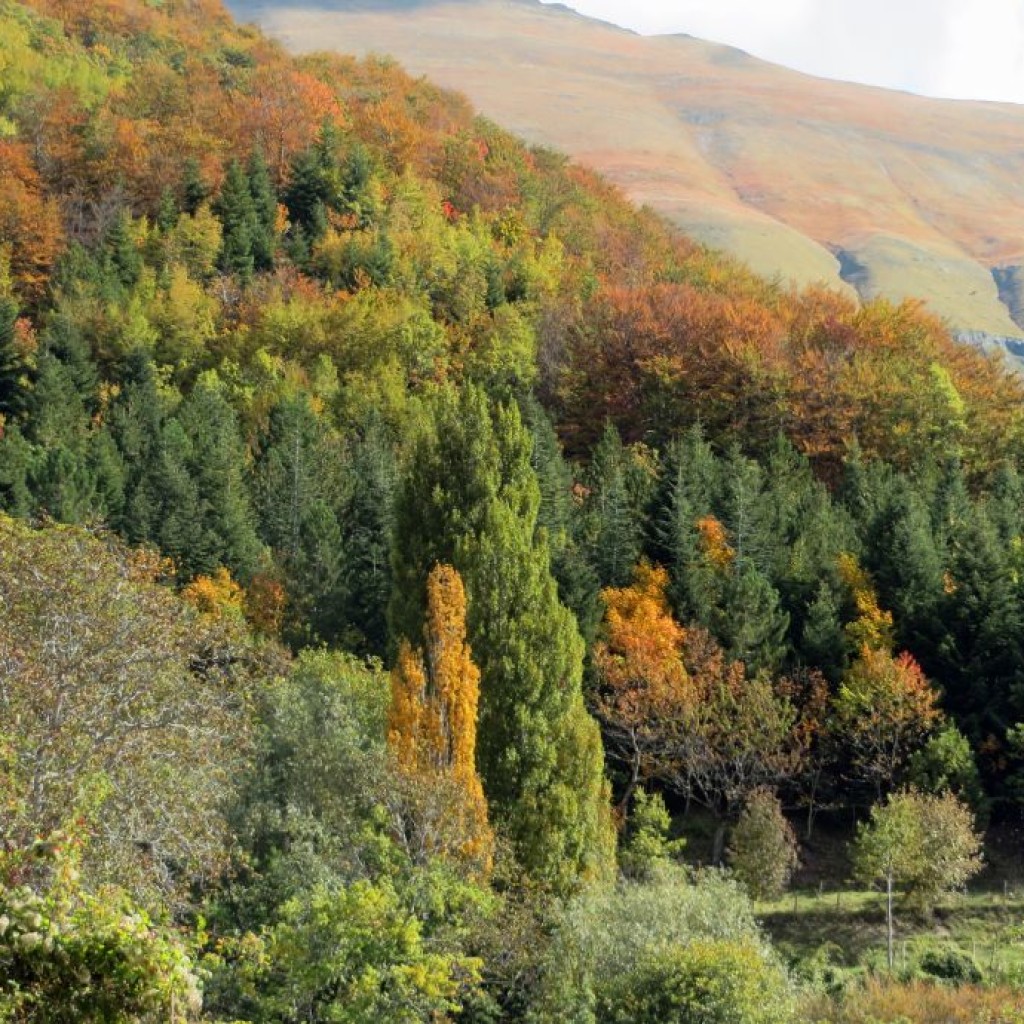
column 704, row 982
column 762, row 848
column 951, row 965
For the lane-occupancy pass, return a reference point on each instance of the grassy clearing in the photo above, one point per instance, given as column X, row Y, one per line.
column 849, row 927
column 828, row 919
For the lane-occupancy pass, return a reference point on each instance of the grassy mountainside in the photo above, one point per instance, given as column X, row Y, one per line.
column 814, row 180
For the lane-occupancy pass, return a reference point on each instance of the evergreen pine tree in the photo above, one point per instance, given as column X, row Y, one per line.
column 167, row 212
column 194, row 190
column 822, row 644
column 309, row 194
column 750, row 624
column 121, row 255
column 368, row 524
column 691, row 486
column 237, row 213
column 981, row 651
column 14, row 366
column 16, row 469
column 559, row 516
column 615, row 503
column 264, row 201
column 215, row 459
column 298, row 496
column 905, row 563
column 135, row 420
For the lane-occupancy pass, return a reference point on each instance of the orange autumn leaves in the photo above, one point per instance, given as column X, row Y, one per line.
column 677, row 711
column 435, row 691
column 885, row 705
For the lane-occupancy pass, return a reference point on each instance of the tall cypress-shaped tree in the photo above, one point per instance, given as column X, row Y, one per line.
column 471, row 499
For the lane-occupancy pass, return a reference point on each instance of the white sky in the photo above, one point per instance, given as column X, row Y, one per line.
column 966, row 49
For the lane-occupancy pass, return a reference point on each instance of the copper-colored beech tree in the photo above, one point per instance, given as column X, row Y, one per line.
column 677, row 710
column 646, row 694
column 432, row 732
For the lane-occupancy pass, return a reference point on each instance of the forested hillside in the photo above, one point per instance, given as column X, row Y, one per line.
column 402, row 538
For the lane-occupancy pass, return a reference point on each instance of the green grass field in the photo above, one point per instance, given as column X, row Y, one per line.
column 826, row 918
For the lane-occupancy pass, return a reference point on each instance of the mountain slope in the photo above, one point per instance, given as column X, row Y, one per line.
column 885, row 192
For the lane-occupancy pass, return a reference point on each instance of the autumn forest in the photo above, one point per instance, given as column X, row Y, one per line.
column 433, row 589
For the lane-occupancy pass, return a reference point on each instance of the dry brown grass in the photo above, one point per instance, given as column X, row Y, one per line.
column 882, row 1001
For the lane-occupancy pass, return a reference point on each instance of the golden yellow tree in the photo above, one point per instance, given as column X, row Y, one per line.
column 873, row 627
column 432, row 733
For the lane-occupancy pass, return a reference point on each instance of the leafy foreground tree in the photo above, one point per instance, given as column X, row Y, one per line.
column 69, row 956
column 122, row 706
column 923, row 843
column 471, row 500
column 331, row 913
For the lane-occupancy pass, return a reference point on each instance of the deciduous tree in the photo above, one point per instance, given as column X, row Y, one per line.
column 435, row 693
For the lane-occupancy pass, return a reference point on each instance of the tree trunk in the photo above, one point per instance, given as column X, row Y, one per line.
column 888, row 917
column 812, row 806
column 718, row 846
column 622, row 807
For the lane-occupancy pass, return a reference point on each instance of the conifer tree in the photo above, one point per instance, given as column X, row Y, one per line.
column 61, row 480
column 13, row 360
column 167, row 212
column 368, row 522
column 237, row 213
column 135, row 419
column 264, row 202
column 470, row 499
column 980, row 653
column 121, row 255
column 691, row 483
column 618, row 495
column 214, row 459
column 751, row 624
column 299, row 491
column 822, row 644
column 17, row 458
column 560, row 517
column 194, row 190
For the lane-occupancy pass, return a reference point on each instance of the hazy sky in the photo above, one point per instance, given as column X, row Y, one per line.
column 969, row 49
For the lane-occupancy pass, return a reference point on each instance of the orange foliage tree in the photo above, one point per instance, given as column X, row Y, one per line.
column 646, row 695
column 432, row 733
column 676, row 710
column 30, row 224
column 873, row 626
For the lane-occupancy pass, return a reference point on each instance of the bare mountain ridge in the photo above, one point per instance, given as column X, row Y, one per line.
column 884, row 192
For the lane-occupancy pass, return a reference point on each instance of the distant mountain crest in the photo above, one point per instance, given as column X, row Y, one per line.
column 882, row 192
